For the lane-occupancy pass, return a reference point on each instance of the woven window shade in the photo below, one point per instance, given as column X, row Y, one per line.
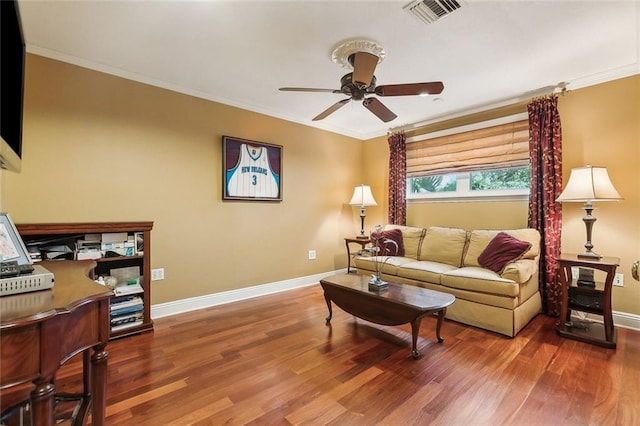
column 497, row 147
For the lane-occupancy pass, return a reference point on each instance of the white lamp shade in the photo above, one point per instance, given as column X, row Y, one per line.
column 362, row 197
column 589, row 183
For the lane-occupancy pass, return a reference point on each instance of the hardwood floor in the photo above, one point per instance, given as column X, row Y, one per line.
column 273, row 361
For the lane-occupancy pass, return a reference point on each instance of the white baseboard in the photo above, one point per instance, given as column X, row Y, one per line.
column 625, row 320
column 194, row 303
column 620, row 319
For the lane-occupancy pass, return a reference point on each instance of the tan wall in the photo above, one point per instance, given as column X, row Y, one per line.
column 601, row 126
column 102, row 148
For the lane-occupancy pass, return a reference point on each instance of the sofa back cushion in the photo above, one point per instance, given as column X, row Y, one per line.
column 479, row 240
column 411, row 239
column 443, row 245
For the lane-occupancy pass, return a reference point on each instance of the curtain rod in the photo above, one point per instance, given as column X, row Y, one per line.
column 508, row 107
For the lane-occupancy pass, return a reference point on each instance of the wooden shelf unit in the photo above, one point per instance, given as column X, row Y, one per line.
column 596, row 300
column 362, row 242
column 32, row 232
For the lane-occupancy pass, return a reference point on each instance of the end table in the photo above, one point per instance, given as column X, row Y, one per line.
column 360, row 241
column 594, row 300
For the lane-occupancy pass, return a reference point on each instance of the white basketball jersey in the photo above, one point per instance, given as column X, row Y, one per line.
column 252, row 176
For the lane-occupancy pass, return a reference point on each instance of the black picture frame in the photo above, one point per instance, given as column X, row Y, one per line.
column 251, row 170
column 12, row 248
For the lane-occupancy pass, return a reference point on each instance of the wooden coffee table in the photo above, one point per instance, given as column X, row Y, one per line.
column 398, row 304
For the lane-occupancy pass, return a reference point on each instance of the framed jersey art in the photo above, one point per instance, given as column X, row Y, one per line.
column 252, row 171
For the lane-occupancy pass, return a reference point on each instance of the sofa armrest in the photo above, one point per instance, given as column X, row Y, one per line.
column 521, row 270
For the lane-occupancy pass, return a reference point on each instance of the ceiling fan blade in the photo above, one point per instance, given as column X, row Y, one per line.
column 378, row 109
column 333, row 108
column 432, row 88
column 308, row 89
column 364, row 64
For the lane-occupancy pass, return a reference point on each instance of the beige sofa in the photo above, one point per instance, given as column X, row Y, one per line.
column 446, row 259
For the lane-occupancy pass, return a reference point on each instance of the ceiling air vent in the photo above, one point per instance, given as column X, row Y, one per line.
column 429, row 11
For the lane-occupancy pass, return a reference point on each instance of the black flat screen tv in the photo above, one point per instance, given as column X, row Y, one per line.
column 12, row 67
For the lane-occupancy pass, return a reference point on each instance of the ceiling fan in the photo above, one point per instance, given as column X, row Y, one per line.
column 361, row 83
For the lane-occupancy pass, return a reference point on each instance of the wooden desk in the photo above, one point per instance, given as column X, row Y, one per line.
column 41, row 330
column 585, row 299
column 362, row 242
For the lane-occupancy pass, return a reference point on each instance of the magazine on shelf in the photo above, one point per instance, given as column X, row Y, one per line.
column 128, row 289
column 125, row 319
column 125, row 301
column 126, row 310
column 127, row 325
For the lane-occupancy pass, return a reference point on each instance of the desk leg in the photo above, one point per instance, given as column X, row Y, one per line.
column 43, row 403
column 99, row 385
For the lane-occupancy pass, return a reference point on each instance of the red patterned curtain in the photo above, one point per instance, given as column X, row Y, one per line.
column 397, row 179
column 545, row 214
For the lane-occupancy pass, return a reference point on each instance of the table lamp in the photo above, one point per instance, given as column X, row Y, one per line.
column 588, row 184
column 362, row 197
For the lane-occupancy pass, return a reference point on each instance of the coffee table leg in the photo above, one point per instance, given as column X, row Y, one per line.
column 441, row 314
column 328, row 300
column 415, row 329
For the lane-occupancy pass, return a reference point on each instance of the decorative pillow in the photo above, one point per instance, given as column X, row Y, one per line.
column 501, row 250
column 411, row 238
column 389, row 242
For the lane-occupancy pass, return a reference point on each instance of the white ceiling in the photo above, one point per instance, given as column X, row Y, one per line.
column 240, row 52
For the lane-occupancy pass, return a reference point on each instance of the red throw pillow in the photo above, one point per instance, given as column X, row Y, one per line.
column 392, row 247
column 502, row 249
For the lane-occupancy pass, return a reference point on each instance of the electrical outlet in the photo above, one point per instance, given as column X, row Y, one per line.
column 618, row 280
column 312, row 254
column 157, row 274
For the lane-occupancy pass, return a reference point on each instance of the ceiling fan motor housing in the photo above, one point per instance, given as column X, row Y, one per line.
column 357, row 93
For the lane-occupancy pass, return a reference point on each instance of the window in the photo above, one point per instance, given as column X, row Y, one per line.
column 509, row 183
column 491, row 162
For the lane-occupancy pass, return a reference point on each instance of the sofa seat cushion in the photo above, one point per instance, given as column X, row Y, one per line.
column 481, row 280
column 424, row 271
column 390, row 267
column 443, row 245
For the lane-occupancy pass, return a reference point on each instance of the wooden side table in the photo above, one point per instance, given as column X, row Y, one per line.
column 347, row 242
column 594, row 300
